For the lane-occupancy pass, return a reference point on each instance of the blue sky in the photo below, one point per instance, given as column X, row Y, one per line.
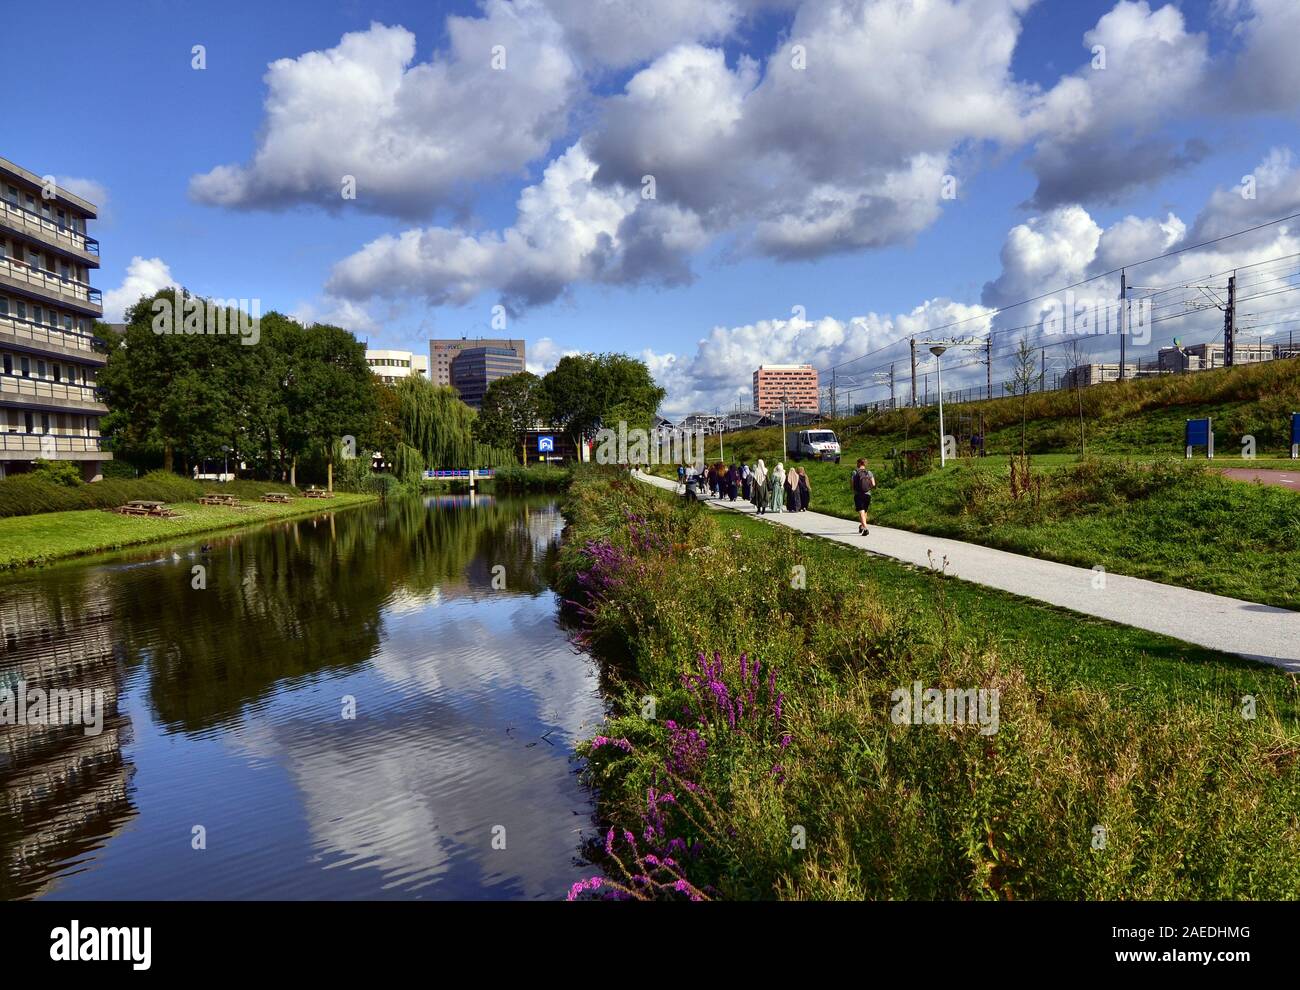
column 769, row 199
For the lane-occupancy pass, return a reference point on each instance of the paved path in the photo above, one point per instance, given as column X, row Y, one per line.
column 1258, row 632
column 1265, row 476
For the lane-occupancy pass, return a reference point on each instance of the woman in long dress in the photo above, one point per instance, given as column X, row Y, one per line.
column 758, row 486
column 776, row 486
column 792, row 490
column 805, row 490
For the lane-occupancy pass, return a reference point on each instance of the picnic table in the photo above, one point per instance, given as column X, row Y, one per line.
column 144, row 507
column 275, row 497
column 315, row 492
column 219, row 498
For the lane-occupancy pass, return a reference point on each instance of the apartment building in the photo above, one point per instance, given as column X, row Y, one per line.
column 49, row 408
column 443, row 352
column 796, row 384
column 473, row 369
column 392, row 366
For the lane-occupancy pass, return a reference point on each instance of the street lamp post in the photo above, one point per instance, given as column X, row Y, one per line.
column 225, row 462
column 937, row 350
column 784, row 448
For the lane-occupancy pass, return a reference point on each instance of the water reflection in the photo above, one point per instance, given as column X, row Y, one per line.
column 468, row 701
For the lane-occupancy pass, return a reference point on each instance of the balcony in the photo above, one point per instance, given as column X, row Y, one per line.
column 54, row 288
column 51, row 447
column 43, row 444
column 42, row 339
column 63, row 238
column 35, row 393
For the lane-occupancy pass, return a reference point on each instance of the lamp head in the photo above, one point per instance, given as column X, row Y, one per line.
column 938, row 349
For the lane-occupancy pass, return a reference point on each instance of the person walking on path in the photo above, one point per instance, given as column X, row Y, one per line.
column 792, row 490
column 805, row 490
column 733, row 483
column 863, row 482
column 776, row 494
column 745, row 478
column 758, row 486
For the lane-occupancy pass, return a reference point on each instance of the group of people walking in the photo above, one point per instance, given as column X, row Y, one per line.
column 777, row 490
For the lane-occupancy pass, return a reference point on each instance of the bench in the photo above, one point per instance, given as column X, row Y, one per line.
column 219, row 498
column 317, row 493
column 275, row 497
column 143, row 507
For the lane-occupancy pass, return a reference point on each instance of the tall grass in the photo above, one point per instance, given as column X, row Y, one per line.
column 1137, row 778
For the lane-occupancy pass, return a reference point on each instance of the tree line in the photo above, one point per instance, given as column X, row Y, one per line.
column 294, row 398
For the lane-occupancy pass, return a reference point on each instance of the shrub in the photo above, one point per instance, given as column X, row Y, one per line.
column 63, row 473
column 541, row 477
column 383, row 485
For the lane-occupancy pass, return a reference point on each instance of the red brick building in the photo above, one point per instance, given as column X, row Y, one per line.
column 796, row 383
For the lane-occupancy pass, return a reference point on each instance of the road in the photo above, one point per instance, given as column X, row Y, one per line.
column 1265, row 476
column 1247, row 629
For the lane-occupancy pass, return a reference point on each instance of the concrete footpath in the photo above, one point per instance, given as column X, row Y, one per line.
column 1257, row 632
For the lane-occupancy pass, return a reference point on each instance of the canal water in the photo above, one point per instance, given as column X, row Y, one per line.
column 373, row 703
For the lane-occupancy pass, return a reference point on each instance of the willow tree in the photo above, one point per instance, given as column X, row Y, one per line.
column 433, row 421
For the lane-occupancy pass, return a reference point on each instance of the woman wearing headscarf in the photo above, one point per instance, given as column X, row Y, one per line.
column 745, row 480
column 805, row 490
column 792, row 490
column 733, row 482
column 776, row 489
column 758, row 486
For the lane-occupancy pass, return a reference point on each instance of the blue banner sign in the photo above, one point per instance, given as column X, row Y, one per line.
column 1295, row 428
column 458, row 473
column 1198, row 433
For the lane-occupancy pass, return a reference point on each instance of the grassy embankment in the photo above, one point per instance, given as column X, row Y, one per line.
column 1128, row 506
column 46, row 534
column 1100, row 727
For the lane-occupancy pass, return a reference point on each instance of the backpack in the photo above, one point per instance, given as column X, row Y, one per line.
column 863, row 481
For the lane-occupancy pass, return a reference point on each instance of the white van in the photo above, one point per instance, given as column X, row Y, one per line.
column 820, row 445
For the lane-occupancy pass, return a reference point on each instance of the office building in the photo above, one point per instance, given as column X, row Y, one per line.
column 1084, row 375
column 391, row 367
column 443, row 352
column 49, row 408
column 796, row 384
column 473, row 369
column 1206, row 357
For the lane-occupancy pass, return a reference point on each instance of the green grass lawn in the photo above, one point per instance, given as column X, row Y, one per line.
column 1101, row 726
column 49, row 536
column 1199, row 530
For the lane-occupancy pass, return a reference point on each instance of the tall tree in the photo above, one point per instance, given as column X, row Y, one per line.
column 511, row 405
column 584, row 389
column 435, row 422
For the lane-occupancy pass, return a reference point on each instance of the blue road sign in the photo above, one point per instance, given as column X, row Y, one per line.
column 546, row 445
column 1198, row 433
column 1295, row 428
